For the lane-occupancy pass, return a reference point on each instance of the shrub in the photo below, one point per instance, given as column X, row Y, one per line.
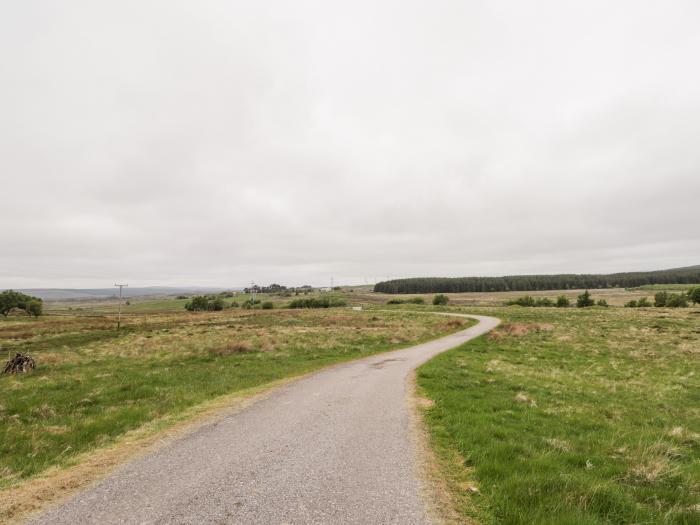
column 584, row 300
column 675, row 300
column 318, row 302
column 216, row 305
column 631, row 304
column 198, row 303
column 248, row 304
column 694, row 295
column 602, row 302
column 643, row 303
column 411, row 300
column 267, row 305
column 563, row 301
column 440, row 300
column 525, row 300
column 543, row 301
column 660, row 299
column 234, row 304
column 182, row 297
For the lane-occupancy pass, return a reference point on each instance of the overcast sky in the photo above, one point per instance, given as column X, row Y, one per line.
column 216, row 142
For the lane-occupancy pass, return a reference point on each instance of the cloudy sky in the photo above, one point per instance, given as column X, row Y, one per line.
column 216, row 142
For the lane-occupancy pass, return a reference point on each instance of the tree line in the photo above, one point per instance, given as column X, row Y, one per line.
column 689, row 275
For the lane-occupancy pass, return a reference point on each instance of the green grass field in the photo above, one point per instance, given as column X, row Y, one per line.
column 572, row 417
column 93, row 384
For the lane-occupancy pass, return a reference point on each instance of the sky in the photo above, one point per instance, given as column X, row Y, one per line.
column 215, row 143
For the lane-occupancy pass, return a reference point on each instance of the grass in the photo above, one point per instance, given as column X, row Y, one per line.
column 94, row 384
column 572, row 417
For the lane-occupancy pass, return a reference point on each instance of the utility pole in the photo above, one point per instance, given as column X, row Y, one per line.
column 119, row 315
column 252, row 291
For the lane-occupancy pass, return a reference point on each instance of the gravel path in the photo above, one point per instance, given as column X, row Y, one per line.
column 331, row 448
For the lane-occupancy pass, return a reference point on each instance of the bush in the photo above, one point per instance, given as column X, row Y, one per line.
column 525, row 300
column 318, row 302
column 234, row 304
column 198, row 303
column 694, row 295
column 412, row 300
column 675, row 300
column 631, row 304
column 660, row 299
column 216, row 305
column 248, row 304
column 440, row 300
column 602, row 302
column 563, row 301
column 543, row 301
column 267, row 305
column 643, row 303
column 584, row 300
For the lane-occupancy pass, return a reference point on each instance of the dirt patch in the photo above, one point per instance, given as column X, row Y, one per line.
column 424, row 402
column 518, row 329
column 236, row 347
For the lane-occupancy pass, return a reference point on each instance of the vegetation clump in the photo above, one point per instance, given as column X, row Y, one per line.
column 412, row 300
column 11, row 300
column 318, row 302
column 584, row 300
column 202, row 303
column 528, row 300
column 563, row 302
column 440, row 300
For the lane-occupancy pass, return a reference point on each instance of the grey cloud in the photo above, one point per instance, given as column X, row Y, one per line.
column 214, row 143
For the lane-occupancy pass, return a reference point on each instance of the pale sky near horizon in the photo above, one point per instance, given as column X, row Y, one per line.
column 219, row 142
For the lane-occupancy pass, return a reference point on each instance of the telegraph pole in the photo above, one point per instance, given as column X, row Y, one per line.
column 119, row 315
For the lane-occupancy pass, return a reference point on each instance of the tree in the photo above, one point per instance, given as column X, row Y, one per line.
column 440, row 300
column 9, row 300
column 584, row 300
column 660, row 299
column 563, row 301
column 34, row 308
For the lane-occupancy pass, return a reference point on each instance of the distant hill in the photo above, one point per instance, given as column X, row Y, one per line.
column 105, row 293
column 687, row 275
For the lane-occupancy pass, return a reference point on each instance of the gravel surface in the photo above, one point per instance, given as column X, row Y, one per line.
column 331, row 448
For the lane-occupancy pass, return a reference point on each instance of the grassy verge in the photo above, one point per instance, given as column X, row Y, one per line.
column 93, row 384
column 572, row 417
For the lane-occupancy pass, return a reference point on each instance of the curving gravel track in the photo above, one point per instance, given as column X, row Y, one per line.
column 331, row 448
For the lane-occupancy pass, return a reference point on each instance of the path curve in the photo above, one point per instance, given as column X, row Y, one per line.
column 333, row 447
